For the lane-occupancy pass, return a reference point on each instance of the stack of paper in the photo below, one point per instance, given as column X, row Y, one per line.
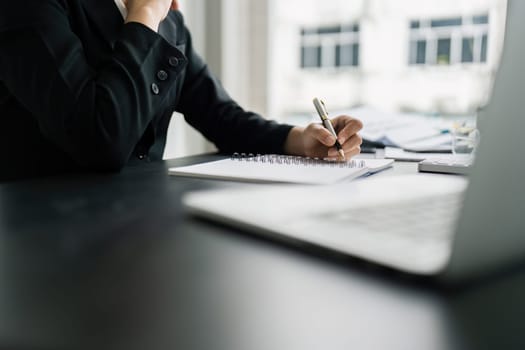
column 416, row 133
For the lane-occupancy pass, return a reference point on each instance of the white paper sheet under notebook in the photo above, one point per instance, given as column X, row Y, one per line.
column 284, row 169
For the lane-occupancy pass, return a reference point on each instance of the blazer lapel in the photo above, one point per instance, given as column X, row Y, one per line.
column 106, row 17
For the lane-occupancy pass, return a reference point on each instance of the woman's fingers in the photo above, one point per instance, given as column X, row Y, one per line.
column 321, row 134
column 320, row 142
column 351, row 147
column 347, row 127
column 349, row 153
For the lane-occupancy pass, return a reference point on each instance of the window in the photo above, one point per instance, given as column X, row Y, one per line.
column 330, row 47
column 443, row 51
column 467, row 50
column 421, row 49
column 448, row 41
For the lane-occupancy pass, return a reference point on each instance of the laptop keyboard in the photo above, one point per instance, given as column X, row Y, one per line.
column 413, row 235
column 422, row 218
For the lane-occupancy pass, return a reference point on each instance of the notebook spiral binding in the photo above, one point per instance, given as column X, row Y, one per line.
column 295, row 160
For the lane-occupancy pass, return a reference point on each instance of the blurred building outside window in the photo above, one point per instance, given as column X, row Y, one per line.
column 430, row 57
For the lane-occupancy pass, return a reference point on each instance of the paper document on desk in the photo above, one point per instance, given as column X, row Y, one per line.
column 408, row 131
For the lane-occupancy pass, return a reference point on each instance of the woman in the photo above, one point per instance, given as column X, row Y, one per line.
column 86, row 85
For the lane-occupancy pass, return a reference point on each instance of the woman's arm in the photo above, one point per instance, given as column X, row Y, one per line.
column 207, row 106
column 96, row 115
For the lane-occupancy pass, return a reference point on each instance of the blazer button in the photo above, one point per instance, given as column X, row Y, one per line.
column 162, row 75
column 173, row 61
column 155, row 89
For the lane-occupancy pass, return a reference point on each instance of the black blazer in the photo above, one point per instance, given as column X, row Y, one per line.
column 79, row 90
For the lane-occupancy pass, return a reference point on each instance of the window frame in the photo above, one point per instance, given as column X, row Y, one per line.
column 329, row 41
column 432, row 31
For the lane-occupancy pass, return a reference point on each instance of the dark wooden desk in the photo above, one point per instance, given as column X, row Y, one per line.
column 113, row 262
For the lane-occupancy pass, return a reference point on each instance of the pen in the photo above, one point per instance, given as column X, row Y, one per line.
column 321, row 110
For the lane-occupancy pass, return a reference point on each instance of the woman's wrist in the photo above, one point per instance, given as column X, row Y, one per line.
column 294, row 144
column 145, row 16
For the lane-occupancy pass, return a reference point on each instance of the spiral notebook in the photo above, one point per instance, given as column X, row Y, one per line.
column 282, row 169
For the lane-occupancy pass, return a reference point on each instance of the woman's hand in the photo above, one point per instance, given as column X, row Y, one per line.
column 149, row 12
column 316, row 141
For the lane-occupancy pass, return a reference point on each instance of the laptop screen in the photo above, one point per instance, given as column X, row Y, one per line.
column 491, row 231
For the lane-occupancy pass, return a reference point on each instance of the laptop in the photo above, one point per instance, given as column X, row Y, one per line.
column 451, row 227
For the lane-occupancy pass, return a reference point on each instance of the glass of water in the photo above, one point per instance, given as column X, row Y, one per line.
column 465, row 140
